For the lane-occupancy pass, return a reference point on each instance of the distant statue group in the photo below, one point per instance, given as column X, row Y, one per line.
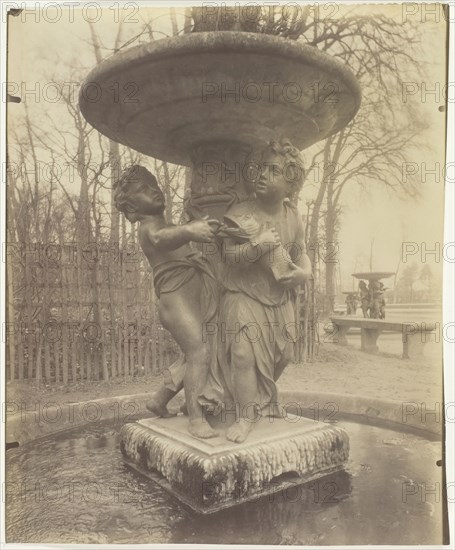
column 352, row 303
column 372, row 299
column 230, row 312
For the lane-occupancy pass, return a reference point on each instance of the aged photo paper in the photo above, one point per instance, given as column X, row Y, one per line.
column 228, row 257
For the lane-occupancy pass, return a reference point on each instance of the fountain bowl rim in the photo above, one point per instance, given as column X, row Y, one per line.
column 137, row 58
column 213, row 41
column 373, row 275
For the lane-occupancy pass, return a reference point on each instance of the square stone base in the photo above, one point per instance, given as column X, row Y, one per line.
column 212, row 474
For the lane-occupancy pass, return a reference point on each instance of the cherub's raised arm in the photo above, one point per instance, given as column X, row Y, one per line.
column 171, row 237
column 168, row 238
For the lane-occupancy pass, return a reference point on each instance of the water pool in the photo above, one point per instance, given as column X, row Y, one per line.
column 74, row 488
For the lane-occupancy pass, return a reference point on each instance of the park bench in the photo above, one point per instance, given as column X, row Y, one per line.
column 413, row 335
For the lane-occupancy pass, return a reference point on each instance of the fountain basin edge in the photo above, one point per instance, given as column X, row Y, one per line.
column 25, row 426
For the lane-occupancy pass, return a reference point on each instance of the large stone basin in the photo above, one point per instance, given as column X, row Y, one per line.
column 165, row 97
column 212, row 97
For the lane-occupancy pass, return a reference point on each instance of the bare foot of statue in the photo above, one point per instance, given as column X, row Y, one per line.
column 201, row 429
column 155, row 407
column 158, row 401
column 239, row 431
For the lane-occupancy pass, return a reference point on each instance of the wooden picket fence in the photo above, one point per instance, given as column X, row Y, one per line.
column 306, row 323
column 83, row 320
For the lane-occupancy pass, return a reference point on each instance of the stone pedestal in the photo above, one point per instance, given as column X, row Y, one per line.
column 340, row 335
column 413, row 344
column 212, row 474
column 368, row 339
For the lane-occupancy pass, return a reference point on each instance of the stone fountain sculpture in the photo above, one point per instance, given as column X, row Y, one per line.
column 352, row 302
column 227, row 104
column 372, row 295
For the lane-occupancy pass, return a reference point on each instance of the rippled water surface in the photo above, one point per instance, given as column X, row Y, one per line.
column 74, row 488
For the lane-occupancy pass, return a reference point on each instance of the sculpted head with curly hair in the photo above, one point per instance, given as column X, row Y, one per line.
column 136, row 193
column 277, row 162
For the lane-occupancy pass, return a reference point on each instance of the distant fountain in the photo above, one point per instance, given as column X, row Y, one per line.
column 372, row 298
column 352, row 302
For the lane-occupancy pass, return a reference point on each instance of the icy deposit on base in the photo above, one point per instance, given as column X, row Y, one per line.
column 212, row 474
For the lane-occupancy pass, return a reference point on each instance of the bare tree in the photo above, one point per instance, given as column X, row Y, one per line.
column 371, row 150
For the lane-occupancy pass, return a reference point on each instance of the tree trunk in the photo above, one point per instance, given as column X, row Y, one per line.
column 167, row 193
column 331, row 257
column 313, row 238
column 114, row 161
column 331, row 166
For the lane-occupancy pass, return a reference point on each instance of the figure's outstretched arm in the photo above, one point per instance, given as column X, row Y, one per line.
column 172, row 237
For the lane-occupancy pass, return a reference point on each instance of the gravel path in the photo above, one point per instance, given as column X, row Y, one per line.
column 336, row 369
